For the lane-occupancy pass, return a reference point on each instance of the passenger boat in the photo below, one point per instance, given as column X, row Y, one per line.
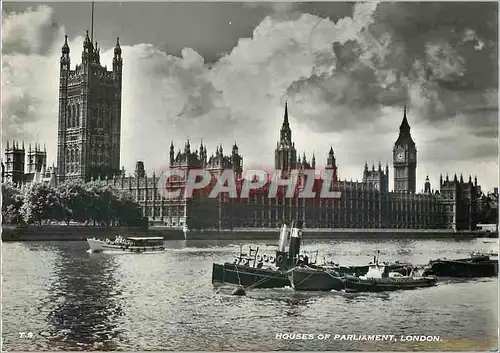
column 315, row 278
column 127, row 245
column 379, row 279
column 263, row 271
column 477, row 265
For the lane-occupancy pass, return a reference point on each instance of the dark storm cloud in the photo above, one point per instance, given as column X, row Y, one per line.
column 478, row 152
column 332, row 10
column 440, row 58
column 457, row 43
column 210, row 28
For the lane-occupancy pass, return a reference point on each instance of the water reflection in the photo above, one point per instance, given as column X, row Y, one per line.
column 405, row 248
column 170, row 304
column 86, row 299
column 353, row 298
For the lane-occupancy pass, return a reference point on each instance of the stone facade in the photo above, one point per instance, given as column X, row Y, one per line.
column 21, row 168
column 89, row 115
column 363, row 204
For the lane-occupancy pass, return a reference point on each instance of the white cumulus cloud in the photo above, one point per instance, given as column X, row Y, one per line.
column 345, row 81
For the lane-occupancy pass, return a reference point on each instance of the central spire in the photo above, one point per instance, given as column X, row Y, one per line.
column 286, row 132
column 285, row 153
column 285, row 119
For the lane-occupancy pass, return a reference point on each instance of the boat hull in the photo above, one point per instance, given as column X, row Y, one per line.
column 463, row 268
column 388, row 284
column 404, row 269
column 97, row 245
column 307, row 279
column 249, row 276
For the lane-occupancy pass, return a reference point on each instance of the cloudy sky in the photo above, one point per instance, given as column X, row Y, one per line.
column 222, row 72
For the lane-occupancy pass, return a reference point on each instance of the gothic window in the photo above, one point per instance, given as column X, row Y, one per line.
column 77, row 116
column 68, row 116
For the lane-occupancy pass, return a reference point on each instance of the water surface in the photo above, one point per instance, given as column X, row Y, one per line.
column 69, row 299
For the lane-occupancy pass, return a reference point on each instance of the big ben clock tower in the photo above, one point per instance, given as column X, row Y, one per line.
column 405, row 159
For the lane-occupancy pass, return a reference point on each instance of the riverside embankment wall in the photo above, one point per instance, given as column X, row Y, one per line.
column 78, row 232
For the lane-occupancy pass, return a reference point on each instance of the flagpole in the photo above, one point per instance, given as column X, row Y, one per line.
column 92, row 26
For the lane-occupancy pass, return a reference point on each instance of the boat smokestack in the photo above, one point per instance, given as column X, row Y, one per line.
column 283, row 238
column 295, row 239
column 281, row 260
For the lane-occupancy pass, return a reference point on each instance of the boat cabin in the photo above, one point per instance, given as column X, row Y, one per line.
column 378, row 271
column 375, row 271
column 146, row 241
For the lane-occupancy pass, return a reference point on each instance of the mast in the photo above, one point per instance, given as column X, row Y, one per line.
column 92, row 26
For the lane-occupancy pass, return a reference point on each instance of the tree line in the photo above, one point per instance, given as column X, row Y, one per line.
column 487, row 213
column 92, row 203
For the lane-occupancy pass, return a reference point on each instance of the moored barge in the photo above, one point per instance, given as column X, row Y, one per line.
column 477, row 265
column 315, row 279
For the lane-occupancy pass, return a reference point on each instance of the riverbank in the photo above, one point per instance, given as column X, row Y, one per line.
column 79, row 232
column 66, row 233
column 334, row 233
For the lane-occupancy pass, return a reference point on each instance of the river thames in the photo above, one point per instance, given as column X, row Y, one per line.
column 57, row 296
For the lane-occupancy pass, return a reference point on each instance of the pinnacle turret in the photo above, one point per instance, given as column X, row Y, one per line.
column 87, row 44
column 118, row 49
column 65, row 47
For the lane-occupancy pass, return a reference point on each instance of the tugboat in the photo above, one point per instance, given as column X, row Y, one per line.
column 380, row 279
column 127, row 245
column 248, row 270
column 477, row 265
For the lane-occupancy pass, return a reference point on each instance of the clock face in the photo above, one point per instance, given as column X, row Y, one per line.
column 376, row 186
column 400, row 156
column 65, row 67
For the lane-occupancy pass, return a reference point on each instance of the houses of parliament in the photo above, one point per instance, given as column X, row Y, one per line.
column 88, row 147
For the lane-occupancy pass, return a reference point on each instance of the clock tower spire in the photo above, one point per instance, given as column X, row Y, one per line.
column 405, row 159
